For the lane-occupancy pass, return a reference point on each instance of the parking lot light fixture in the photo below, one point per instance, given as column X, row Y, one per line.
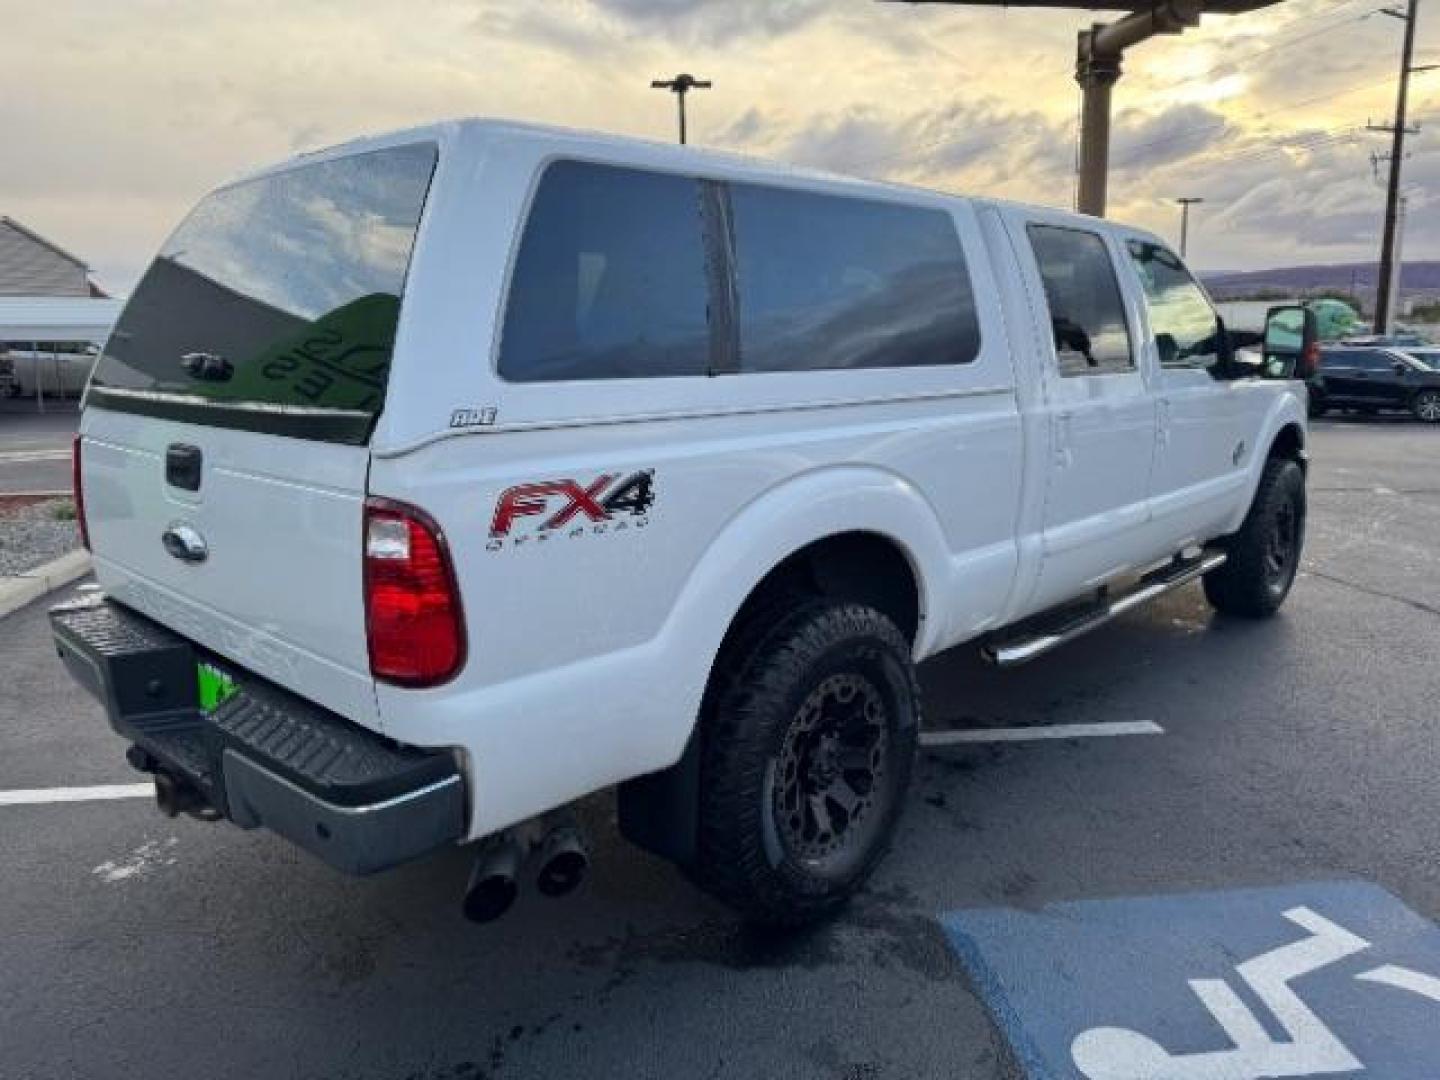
column 681, row 85
column 1185, row 202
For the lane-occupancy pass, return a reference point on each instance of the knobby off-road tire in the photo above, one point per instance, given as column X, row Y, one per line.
column 808, row 742
column 1265, row 554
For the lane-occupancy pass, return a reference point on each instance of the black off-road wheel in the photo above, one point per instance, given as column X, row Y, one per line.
column 1264, row 555
column 808, row 742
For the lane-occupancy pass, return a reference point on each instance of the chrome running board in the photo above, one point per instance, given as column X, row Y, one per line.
column 1040, row 638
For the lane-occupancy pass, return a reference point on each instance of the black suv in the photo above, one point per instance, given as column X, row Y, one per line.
column 1366, row 379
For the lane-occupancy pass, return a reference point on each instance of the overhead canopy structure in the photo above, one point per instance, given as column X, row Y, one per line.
column 1219, row 7
column 1097, row 65
column 57, row 318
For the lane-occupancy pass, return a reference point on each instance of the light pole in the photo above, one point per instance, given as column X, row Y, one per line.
column 1186, row 202
column 681, row 85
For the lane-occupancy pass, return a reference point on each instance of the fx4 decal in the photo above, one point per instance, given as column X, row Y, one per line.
column 570, row 508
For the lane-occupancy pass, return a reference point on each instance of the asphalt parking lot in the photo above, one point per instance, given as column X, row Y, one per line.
column 35, row 446
column 1031, row 881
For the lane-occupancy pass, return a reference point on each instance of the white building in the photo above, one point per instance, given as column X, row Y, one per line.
column 51, row 315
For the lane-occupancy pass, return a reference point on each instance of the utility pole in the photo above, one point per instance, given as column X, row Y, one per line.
column 1386, row 280
column 681, row 85
column 1186, row 202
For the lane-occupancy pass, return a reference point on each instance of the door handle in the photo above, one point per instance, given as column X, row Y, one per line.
column 1064, row 456
column 185, row 543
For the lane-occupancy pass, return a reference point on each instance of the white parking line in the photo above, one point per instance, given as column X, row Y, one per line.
column 37, row 796
column 1045, row 731
column 16, row 457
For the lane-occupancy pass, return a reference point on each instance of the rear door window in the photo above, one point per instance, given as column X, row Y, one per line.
column 826, row 281
column 1087, row 315
column 610, row 279
column 273, row 307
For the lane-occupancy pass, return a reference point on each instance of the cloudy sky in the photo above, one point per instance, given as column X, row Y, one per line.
column 118, row 115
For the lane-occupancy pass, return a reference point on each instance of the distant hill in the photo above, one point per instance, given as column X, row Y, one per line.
column 1419, row 279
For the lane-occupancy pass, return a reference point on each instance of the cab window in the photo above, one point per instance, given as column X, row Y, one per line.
column 1186, row 328
column 1086, row 313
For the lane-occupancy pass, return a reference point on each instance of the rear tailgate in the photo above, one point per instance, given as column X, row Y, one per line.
column 279, row 589
column 226, row 430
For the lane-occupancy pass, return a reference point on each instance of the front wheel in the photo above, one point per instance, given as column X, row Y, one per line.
column 1265, row 554
column 1426, row 406
column 808, row 744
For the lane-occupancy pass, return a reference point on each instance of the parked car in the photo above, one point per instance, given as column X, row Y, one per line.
column 1400, row 340
column 1428, row 355
column 419, row 514
column 1369, row 380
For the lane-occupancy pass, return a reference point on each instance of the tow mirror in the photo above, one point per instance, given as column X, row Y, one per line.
column 1292, row 343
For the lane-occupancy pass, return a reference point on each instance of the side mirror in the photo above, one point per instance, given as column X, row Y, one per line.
column 1292, row 343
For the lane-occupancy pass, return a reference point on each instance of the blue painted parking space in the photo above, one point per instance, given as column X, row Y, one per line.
column 1323, row 979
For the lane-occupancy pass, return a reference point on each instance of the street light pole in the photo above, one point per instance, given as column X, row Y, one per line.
column 1185, row 203
column 681, row 85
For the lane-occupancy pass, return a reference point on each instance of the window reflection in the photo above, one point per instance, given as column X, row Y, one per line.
column 832, row 282
column 283, row 291
column 1086, row 312
column 1185, row 326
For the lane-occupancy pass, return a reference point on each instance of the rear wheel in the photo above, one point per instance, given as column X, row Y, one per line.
column 1426, row 406
column 808, row 743
column 1265, row 554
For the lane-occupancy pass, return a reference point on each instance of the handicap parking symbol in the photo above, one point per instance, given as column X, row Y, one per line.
column 1328, row 979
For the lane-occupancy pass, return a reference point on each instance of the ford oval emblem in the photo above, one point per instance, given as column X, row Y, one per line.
column 185, row 542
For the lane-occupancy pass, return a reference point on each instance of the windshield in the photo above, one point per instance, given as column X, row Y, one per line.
column 273, row 307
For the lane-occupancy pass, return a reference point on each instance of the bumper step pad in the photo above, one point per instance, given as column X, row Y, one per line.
column 264, row 756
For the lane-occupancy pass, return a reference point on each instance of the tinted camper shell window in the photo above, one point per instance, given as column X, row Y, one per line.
column 627, row 273
column 274, row 306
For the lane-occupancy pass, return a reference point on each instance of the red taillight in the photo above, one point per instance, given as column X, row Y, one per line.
column 77, row 486
column 413, row 621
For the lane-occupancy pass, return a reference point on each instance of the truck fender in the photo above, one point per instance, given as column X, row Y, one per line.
column 658, row 811
column 1285, row 419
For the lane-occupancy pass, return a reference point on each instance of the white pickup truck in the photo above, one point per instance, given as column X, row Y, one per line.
column 437, row 480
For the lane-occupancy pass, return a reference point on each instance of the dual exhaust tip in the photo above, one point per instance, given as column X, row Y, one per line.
column 561, row 858
column 559, row 851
